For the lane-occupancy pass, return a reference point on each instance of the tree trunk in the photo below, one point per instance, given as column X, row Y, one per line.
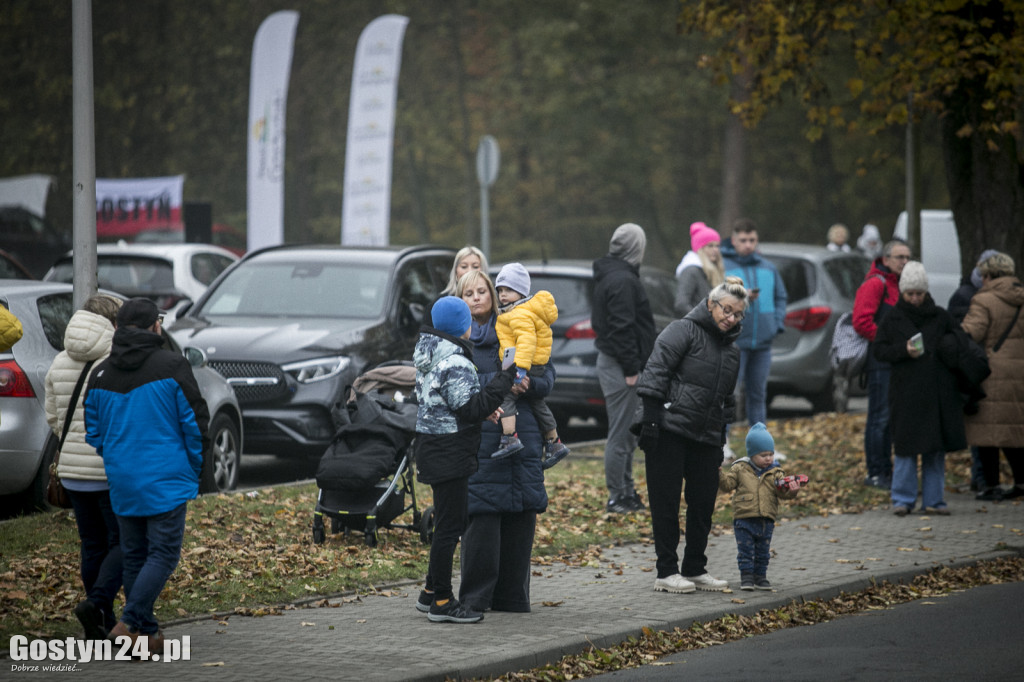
column 984, row 176
column 734, row 162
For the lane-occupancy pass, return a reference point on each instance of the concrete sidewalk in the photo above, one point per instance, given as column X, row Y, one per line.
column 382, row 637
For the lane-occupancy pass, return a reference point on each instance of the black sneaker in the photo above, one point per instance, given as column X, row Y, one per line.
column 453, row 612
column 1013, row 492
column 747, row 582
column 91, row 618
column 635, row 503
column 881, row 482
column 425, row 601
column 621, row 506
column 992, row 494
column 762, row 583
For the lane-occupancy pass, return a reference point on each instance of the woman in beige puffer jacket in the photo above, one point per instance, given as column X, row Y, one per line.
column 88, row 337
column 999, row 423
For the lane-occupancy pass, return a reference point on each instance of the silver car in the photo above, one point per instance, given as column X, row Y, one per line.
column 26, row 442
column 821, row 285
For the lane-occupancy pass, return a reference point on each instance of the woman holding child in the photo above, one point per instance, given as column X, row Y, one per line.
column 505, row 494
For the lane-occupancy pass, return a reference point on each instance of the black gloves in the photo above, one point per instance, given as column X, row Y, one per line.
column 649, row 433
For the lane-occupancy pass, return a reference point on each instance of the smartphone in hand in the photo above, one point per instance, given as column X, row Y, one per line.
column 509, row 358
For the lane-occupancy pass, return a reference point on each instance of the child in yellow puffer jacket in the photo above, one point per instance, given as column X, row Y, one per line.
column 525, row 323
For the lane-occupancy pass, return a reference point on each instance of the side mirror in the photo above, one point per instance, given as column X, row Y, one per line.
column 195, row 356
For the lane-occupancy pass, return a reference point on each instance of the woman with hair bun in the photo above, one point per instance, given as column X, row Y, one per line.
column 687, row 393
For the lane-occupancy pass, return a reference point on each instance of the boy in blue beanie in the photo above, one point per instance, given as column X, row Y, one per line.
column 451, row 408
column 759, row 483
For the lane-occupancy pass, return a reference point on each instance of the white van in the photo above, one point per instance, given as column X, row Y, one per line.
column 939, row 251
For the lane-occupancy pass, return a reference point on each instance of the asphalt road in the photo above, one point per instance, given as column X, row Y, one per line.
column 973, row 635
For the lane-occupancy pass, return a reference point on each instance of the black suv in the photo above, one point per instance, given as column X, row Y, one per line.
column 290, row 327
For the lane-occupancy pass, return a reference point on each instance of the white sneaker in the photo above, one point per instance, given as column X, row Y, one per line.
column 674, row 583
column 707, row 583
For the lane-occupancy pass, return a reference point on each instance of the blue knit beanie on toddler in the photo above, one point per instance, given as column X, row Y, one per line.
column 759, row 440
column 451, row 315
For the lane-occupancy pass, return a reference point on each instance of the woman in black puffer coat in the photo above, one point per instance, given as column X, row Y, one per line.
column 687, row 392
column 505, row 495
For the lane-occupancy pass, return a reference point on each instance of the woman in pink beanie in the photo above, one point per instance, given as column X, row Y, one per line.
column 700, row 270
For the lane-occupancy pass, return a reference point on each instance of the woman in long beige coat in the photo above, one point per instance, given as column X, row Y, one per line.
column 999, row 423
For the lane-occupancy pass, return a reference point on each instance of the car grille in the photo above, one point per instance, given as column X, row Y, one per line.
column 254, row 382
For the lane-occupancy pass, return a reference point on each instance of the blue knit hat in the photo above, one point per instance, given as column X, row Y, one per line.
column 451, row 315
column 759, row 440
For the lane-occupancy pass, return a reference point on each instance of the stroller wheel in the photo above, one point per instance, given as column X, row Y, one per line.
column 336, row 525
column 318, row 529
column 371, row 539
column 427, row 526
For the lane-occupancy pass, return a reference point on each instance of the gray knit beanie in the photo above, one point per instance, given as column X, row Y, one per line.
column 628, row 243
column 515, row 277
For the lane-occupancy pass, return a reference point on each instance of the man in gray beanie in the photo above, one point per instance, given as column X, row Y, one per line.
column 624, row 325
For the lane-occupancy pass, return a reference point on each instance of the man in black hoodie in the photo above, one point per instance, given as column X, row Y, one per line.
column 624, row 326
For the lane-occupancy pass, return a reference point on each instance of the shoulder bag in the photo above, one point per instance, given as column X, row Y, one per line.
column 56, row 494
column 999, row 343
column 849, row 350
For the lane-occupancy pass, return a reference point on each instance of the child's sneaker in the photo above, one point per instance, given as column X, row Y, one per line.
column 762, row 583
column 747, row 582
column 507, row 446
column 554, row 452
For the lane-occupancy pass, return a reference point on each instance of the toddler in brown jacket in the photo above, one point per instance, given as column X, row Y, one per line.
column 759, row 483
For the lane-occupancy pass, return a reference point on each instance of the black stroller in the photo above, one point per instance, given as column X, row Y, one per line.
column 366, row 471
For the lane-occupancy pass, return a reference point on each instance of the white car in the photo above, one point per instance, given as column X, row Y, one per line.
column 166, row 273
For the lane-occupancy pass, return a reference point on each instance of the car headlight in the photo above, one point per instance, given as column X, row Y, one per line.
column 311, row 371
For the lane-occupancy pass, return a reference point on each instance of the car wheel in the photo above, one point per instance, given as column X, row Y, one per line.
column 223, row 458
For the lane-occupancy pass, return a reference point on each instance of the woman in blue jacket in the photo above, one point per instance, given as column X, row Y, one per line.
column 505, row 495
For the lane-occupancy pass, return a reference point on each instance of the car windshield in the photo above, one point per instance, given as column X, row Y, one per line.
column 131, row 276
column 299, row 289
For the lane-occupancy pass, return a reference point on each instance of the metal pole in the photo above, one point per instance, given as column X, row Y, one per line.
column 485, row 221
column 84, row 148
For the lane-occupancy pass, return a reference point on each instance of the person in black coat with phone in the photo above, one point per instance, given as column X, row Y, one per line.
column 925, row 404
